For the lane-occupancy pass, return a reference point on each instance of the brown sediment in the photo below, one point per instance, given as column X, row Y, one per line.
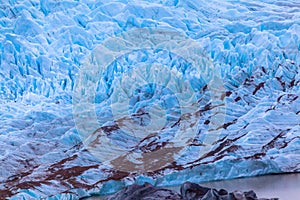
column 68, row 176
column 258, row 87
column 282, row 83
column 237, row 99
column 62, row 162
column 292, row 83
column 255, row 156
column 206, row 122
column 224, row 144
column 109, row 128
column 225, row 126
column 279, row 98
column 150, row 160
column 277, row 142
column 57, row 173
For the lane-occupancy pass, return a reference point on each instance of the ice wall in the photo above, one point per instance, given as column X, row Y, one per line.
column 253, row 45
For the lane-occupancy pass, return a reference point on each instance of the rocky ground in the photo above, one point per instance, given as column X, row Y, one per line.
column 188, row 191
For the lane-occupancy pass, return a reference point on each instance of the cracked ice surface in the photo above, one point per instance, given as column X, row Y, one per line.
column 253, row 45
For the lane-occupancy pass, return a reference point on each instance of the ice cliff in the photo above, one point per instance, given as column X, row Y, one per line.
column 254, row 48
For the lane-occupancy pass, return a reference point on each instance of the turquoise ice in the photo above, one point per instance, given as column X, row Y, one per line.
column 254, row 47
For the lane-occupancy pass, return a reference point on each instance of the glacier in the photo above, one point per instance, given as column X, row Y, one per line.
column 46, row 45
